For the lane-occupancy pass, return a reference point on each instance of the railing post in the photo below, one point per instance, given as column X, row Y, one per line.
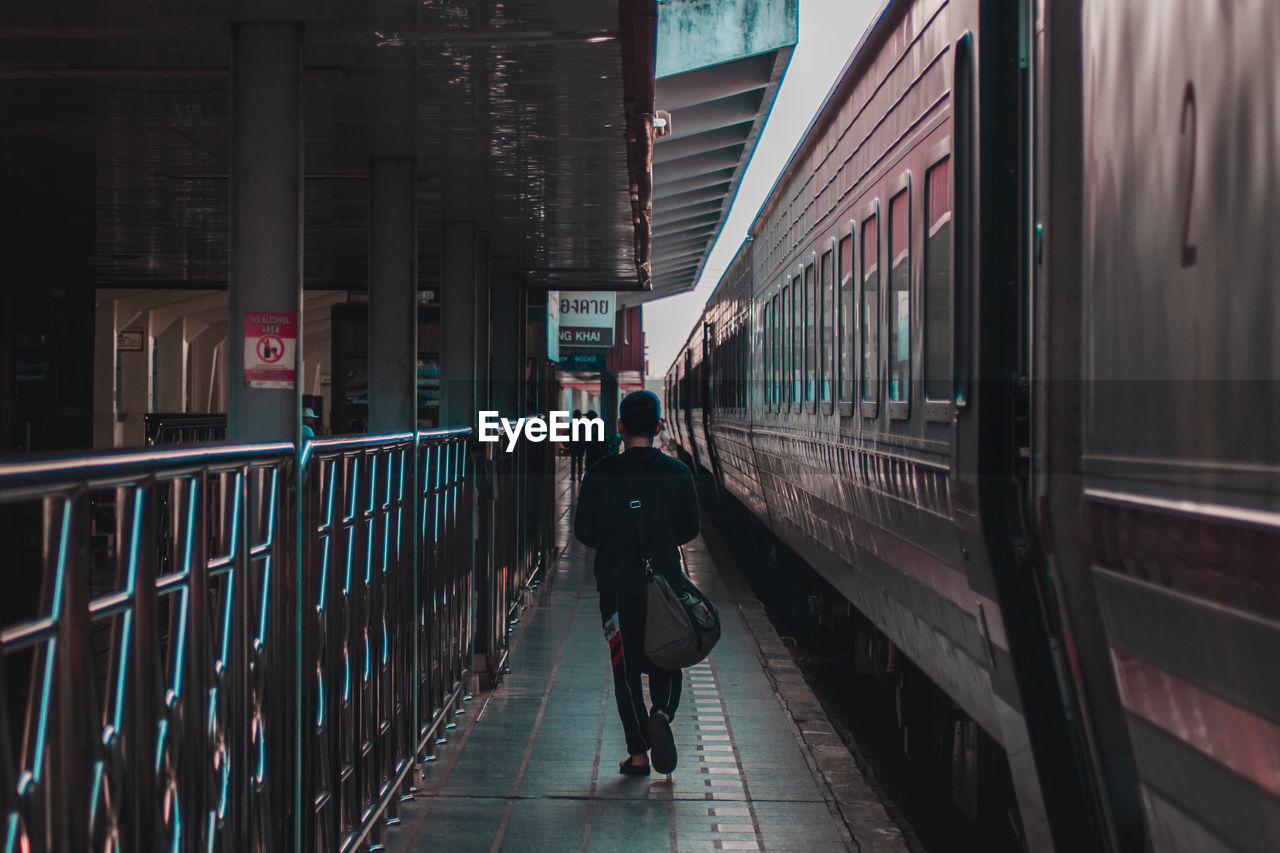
column 416, row 482
column 67, row 779
column 195, row 691
column 141, row 501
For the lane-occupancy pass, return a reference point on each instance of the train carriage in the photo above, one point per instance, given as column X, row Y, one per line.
column 945, row 378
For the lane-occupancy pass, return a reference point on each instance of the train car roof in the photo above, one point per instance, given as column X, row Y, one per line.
column 861, row 56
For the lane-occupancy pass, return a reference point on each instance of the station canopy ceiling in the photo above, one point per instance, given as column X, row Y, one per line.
column 116, row 113
column 719, row 65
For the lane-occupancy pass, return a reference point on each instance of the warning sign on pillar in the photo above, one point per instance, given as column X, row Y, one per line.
column 270, row 343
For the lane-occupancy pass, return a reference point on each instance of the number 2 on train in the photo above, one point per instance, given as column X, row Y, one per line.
column 1189, row 106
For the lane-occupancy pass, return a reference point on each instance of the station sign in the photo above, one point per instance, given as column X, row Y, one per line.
column 587, row 319
column 270, row 347
column 582, row 360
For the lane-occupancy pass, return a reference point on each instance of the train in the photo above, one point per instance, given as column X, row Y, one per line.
column 1000, row 361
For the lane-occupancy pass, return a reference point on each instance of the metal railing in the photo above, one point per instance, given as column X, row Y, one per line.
column 183, row 428
column 385, row 647
column 230, row 647
column 518, row 518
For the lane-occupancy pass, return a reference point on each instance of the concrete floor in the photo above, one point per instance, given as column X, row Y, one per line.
column 532, row 765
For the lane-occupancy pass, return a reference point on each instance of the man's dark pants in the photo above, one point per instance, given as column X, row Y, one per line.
column 626, row 654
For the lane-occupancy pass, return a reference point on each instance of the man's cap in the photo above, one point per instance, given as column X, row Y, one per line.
column 309, row 413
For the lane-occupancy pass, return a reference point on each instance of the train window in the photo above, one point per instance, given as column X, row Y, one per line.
column 844, row 328
column 825, row 323
column 937, row 284
column 775, row 354
column 810, row 333
column 787, row 344
column 765, row 355
column 899, row 308
column 797, row 344
column 870, row 314
column 739, row 372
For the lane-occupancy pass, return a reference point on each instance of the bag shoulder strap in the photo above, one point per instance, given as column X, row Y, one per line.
column 637, row 511
column 638, row 514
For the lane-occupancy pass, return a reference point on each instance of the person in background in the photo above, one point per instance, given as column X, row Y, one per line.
column 577, row 448
column 310, row 423
column 636, row 505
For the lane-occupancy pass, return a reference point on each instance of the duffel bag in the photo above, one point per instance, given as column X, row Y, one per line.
column 681, row 628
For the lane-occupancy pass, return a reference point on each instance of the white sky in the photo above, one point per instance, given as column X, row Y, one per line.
column 829, row 31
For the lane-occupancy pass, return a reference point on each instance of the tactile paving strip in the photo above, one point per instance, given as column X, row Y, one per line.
column 730, row 816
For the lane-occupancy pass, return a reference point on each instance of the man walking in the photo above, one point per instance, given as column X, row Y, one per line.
column 635, row 505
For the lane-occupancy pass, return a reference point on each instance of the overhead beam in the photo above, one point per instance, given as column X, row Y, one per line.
column 712, row 140
column 705, row 222
column 679, row 213
column 723, row 112
column 714, row 192
column 689, row 167
column 666, row 186
column 713, row 83
column 673, row 243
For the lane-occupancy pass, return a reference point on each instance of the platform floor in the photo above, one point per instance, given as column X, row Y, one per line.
column 532, row 763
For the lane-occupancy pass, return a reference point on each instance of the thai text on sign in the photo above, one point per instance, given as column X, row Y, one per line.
column 587, row 319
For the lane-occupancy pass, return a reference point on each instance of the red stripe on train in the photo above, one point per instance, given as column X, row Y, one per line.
column 1231, row 735
column 1216, row 559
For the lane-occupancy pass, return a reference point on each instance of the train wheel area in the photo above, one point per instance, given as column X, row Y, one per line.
column 531, row 764
column 941, row 778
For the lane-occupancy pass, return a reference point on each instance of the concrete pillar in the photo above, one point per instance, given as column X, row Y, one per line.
column 609, row 401
column 104, row 374
column 393, row 295
column 507, row 349
column 465, row 192
column 266, row 216
column 484, row 324
column 393, row 241
column 457, row 323
column 133, row 381
column 170, row 393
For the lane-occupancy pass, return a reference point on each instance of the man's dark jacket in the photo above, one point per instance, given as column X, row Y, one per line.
column 668, row 516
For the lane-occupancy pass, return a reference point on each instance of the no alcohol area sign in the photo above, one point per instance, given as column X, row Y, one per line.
column 270, row 343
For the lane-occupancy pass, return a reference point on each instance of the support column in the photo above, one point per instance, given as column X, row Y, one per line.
column 393, row 241
column 507, row 352
column 170, row 392
column 483, row 374
column 134, row 384
column 609, row 401
column 393, row 295
column 457, row 323
column 266, row 216
column 203, row 338
column 104, row 375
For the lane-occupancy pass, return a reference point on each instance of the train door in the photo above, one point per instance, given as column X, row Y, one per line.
column 689, row 402
column 994, row 130
column 1056, row 400
column 709, row 391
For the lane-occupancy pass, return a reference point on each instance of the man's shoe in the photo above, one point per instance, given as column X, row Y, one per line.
column 626, row 768
column 662, row 744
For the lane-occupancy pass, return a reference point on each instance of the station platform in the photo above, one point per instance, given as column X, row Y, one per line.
column 531, row 764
